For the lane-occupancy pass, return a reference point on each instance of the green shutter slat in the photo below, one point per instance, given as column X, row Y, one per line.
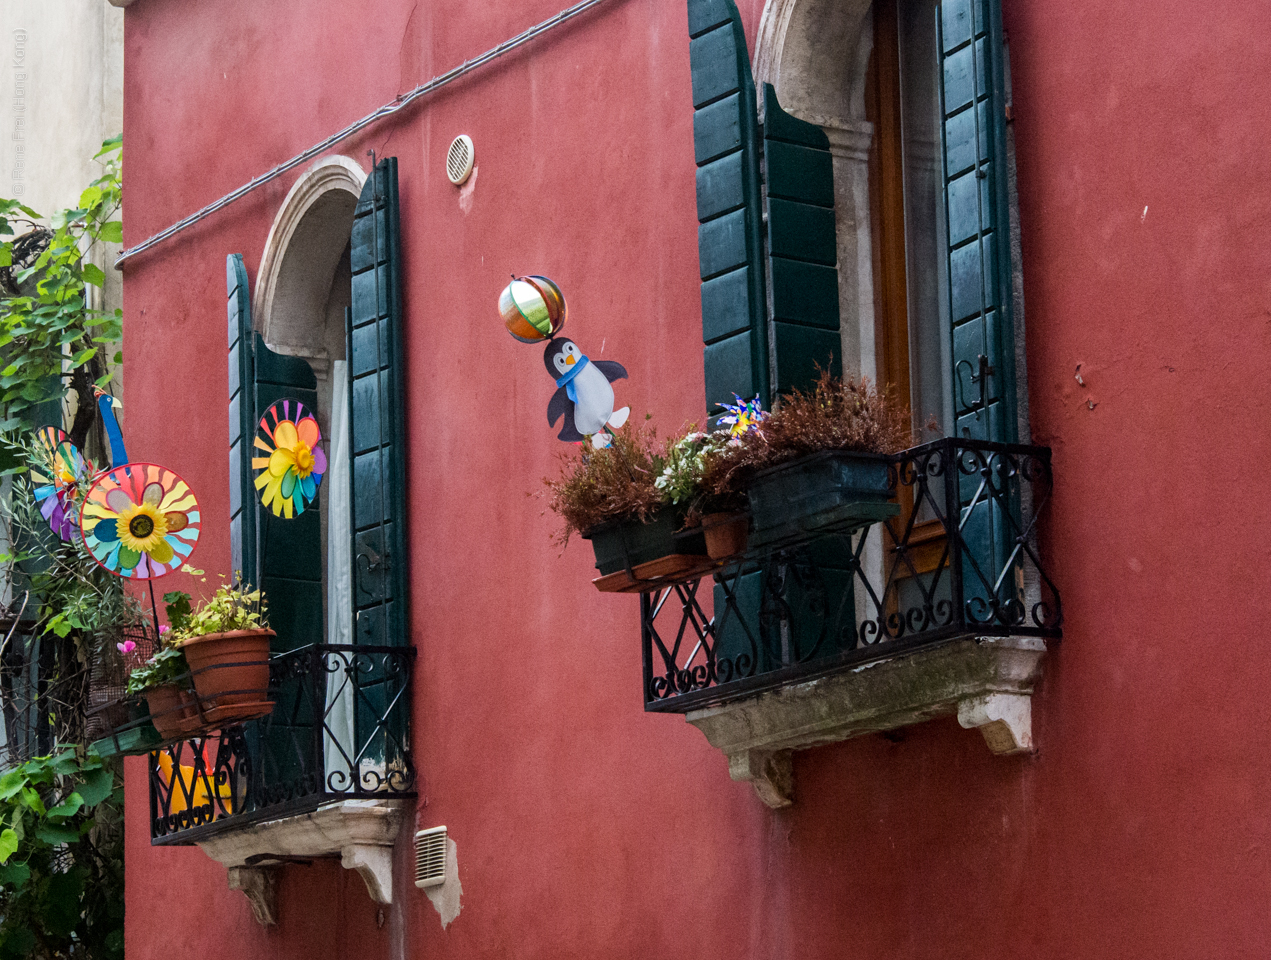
column 795, row 172
column 801, row 231
column 726, row 306
column 802, row 248
column 726, row 150
column 802, row 351
column 374, row 348
column 806, row 293
column 728, row 367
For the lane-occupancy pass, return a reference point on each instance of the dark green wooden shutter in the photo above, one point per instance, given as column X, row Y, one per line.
column 283, row 556
column 803, row 293
column 973, row 107
column 242, row 495
column 973, row 102
column 730, row 218
column 376, row 371
column 290, row 558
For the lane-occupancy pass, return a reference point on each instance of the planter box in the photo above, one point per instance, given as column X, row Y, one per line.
column 834, row 490
column 129, row 731
column 135, row 741
column 629, row 543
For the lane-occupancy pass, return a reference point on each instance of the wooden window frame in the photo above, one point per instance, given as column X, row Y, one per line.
column 887, row 230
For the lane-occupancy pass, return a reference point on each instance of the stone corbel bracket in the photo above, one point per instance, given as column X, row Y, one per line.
column 360, row 832
column 987, row 682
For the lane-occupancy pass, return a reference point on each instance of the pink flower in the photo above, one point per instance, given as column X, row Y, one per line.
column 128, row 646
column 163, row 628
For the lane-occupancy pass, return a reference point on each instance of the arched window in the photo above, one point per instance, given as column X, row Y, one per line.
column 328, row 334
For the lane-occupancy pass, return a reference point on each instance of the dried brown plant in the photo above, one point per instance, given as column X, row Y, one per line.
column 598, row 485
column 836, row 414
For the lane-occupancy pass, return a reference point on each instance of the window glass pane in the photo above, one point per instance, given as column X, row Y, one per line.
column 929, row 359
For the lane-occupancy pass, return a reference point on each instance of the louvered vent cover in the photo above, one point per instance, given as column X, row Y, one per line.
column 430, row 857
column 459, row 159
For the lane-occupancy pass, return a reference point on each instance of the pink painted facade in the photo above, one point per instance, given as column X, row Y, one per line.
column 584, row 826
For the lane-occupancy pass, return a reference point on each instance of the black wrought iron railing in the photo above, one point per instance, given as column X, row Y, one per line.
column 338, row 731
column 961, row 560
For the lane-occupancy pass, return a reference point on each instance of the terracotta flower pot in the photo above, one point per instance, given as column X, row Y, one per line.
column 726, row 534
column 173, row 710
column 230, row 670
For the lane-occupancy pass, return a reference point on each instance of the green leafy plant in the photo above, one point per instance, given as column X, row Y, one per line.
column 686, row 462
column 168, row 666
column 61, row 859
column 234, row 606
column 49, row 331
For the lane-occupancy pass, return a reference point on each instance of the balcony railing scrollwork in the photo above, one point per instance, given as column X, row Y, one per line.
column 961, row 560
column 338, row 731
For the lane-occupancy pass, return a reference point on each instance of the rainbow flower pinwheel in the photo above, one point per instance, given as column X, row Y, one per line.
column 288, row 477
column 140, row 521
column 62, row 467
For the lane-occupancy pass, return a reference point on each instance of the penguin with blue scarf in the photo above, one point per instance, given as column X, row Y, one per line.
column 583, row 396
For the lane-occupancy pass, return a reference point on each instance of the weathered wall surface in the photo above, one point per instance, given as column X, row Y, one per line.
column 586, row 828
column 62, row 87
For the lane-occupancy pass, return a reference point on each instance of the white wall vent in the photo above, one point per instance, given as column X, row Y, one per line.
column 459, row 159
column 430, row 857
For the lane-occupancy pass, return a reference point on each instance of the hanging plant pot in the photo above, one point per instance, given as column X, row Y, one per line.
column 653, row 552
column 231, row 674
column 174, row 711
column 726, row 534
column 832, row 490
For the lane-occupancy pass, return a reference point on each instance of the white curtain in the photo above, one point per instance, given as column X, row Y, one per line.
column 339, row 726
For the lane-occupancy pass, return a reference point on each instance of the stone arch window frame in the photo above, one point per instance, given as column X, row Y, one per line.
column 333, row 174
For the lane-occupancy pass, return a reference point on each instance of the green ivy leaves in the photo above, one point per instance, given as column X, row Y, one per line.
column 45, row 308
column 56, row 884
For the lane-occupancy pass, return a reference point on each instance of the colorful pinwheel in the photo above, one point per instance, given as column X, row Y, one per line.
column 62, row 466
column 288, row 477
column 140, row 521
column 744, row 416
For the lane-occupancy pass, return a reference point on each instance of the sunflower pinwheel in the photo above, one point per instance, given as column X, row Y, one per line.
column 140, row 521
column 62, row 466
column 288, row 477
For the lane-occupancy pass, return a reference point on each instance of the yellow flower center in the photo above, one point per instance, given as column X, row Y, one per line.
column 141, row 527
column 304, row 458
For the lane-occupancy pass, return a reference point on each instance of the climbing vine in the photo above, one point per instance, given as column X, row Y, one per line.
column 51, row 338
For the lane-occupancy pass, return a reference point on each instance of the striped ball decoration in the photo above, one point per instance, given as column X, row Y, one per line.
column 533, row 309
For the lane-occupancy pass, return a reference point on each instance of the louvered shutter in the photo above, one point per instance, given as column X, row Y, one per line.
column 729, row 210
column 283, row 556
column 374, row 349
column 803, row 296
column 974, row 136
column 973, row 109
column 242, row 496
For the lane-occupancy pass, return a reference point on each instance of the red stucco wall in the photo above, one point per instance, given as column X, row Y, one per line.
column 586, row 828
